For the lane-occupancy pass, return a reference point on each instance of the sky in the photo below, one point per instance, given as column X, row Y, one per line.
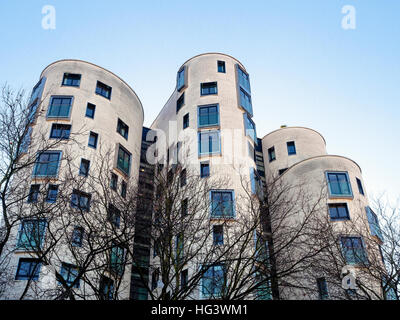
column 305, row 68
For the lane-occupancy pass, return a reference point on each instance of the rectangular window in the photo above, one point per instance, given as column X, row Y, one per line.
column 179, row 247
column 244, row 90
column 122, row 129
column 244, row 79
column 103, row 90
column 84, row 167
column 282, row 171
column 322, row 289
column 80, row 200
column 256, row 182
column 52, row 193
column 37, row 90
column 154, row 279
column 70, row 273
column 124, row 188
column 32, row 112
column 221, row 66
column 339, row 184
column 47, row 164
column 250, row 128
column 186, row 121
column 339, row 211
column 114, row 215
column 117, row 259
column 60, row 107
column 353, row 250
column 184, row 278
column 264, row 291
column 184, row 207
column 114, row 181
column 77, row 236
column 245, row 101
column 60, row 131
column 180, row 102
column 181, row 79
column 261, row 248
column 183, row 178
column 208, row 88
column 218, row 235
column 72, row 80
column 213, row 281
column 93, row 138
column 28, row 269
column 124, row 160
column 204, row 169
column 271, row 154
column 222, row 204
column 291, row 148
column 208, row 116
column 373, row 223
column 360, row 187
column 209, row 142
column 106, row 288
column 90, row 110
column 31, row 234
column 34, row 193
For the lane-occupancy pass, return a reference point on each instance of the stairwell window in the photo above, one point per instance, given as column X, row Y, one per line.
column 71, row 80
column 60, row 107
column 208, row 115
column 103, row 90
column 208, row 88
column 84, row 167
column 209, row 142
column 106, row 288
column 222, row 204
column 373, row 223
column 339, row 184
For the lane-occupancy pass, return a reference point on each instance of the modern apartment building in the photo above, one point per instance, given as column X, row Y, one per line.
column 207, row 128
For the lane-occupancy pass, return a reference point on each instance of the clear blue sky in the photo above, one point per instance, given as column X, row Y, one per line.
column 305, row 69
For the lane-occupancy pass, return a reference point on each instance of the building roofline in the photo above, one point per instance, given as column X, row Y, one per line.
column 295, row 128
column 97, row 66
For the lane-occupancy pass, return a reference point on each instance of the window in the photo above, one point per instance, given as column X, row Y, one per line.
column 271, row 154
column 209, row 142
column 154, row 279
column 339, row 184
column 180, row 102
column 244, row 90
column 244, row 80
column 181, row 79
column 208, row 116
column 103, row 90
column 184, row 278
column 282, row 171
column 70, row 273
column 70, row 79
column 84, row 167
column 353, row 250
column 90, row 110
column 261, row 248
column 208, row 88
column 124, row 160
column 77, row 236
column 360, row 187
column 32, row 112
column 218, row 235
column 106, row 288
column 245, row 101
column 60, row 107
column 322, row 289
column 373, row 223
column 222, row 204
column 183, row 177
column 28, row 269
column 179, row 248
column 221, row 66
column 184, row 207
column 47, row 164
column 263, row 291
column 117, row 259
column 60, row 131
column 93, row 137
column 291, row 148
column 256, row 183
column 212, row 281
column 37, row 90
column 114, row 215
column 186, row 121
column 80, row 200
column 250, row 128
column 114, row 181
column 122, row 129
column 52, row 193
column 338, row 211
column 31, row 234
column 204, row 169
column 34, row 193
column 124, row 188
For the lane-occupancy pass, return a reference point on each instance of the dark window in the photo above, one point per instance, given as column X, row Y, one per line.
column 77, row 236
column 124, row 160
column 184, row 207
column 184, row 278
column 186, row 121
column 69, row 273
column 204, row 169
column 353, row 250
column 208, row 116
column 245, row 101
column 212, row 281
column 28, row 269
column 52, row 193
column 60, row 131
column 180, row 81
column 271, row 154
column 90, row 110
column 209, row 142
column 34, row 193
column 373, row 223
column 154, row 279
column 180, row 102
column 84, row 168
column 209, row 88
column 179, row 248
column 222, row 204
column 339, row 184
column 250, row 128
column 60, row 107
column 183, row 178
column 70, row 79
column 106, row 288
column 47, row 164
column 122, row 129
column 322, row 289
column 291, row 148
column 114, row 215
column 114, row 181
column 80, row 200
column 282, row 171
column 244, row 80
column 93, row 137
column 124, row 187
column 218, row 235
column 221, row 66
column 117, row 259
column 338, row 211
column 31, row 234
column 103, row 90
column 360, row 187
